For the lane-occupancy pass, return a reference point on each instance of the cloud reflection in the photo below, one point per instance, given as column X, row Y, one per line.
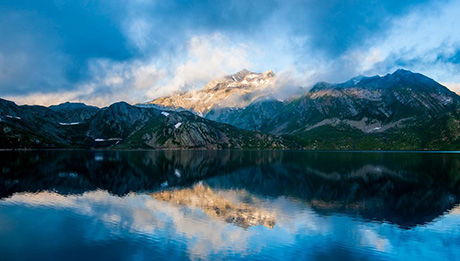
column 202, row 236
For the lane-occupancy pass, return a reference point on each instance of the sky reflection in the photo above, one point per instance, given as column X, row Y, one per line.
column 100, row 219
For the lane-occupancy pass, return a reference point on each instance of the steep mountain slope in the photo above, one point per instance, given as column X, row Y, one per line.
column 237, row 91
column 122, row 126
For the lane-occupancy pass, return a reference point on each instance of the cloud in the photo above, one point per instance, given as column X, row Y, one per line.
column 421, row 41
column 49, row 43
column 204, row 58
column 96, row 51
column 207, row 57
column 110, row 82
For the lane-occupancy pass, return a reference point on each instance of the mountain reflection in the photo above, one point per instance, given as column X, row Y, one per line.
column 217, row 206
column 406, row 189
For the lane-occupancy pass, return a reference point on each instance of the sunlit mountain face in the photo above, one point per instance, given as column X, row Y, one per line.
column 210, row 204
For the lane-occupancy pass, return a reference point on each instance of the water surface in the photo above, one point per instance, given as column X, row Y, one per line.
column 175, row 205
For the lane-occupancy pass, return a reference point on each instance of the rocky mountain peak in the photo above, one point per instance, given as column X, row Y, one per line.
column 268, row 73
column 397, row 81
column 69, row 106
column 248, row 75
column 239, row 76
column 235, row 90
column 401, row 71
column 242, row 79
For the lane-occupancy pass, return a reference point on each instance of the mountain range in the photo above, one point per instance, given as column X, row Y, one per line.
column 402, row 110
column 399, row 111
column 122, row 126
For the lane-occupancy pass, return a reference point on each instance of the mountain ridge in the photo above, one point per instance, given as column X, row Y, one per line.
column 123, row 126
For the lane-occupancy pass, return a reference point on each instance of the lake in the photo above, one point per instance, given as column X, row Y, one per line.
column 212, row 205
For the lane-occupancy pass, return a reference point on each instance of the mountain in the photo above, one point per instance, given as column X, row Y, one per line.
column 75, row 112
column 133, row 127
column 122, row 126
column 236, row 91
column 402, row 110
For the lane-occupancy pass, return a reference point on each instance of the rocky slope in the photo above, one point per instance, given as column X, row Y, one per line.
column 122, row 126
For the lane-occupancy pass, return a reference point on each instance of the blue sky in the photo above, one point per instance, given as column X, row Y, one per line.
column 104, row 51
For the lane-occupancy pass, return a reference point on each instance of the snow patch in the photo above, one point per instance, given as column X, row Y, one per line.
column 178, row 125
column 377, row 128
column 165, row 113
column 69, row 123
column 110, row 139
column 13, row 117
column 164, row 184
column 177, row 173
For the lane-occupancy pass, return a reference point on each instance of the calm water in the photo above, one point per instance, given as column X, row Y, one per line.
column 175, row 205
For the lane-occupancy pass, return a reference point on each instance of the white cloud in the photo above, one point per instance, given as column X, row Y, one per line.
column 416, row 39
column 111, row 82
column 50, row 98
column 207, row 57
